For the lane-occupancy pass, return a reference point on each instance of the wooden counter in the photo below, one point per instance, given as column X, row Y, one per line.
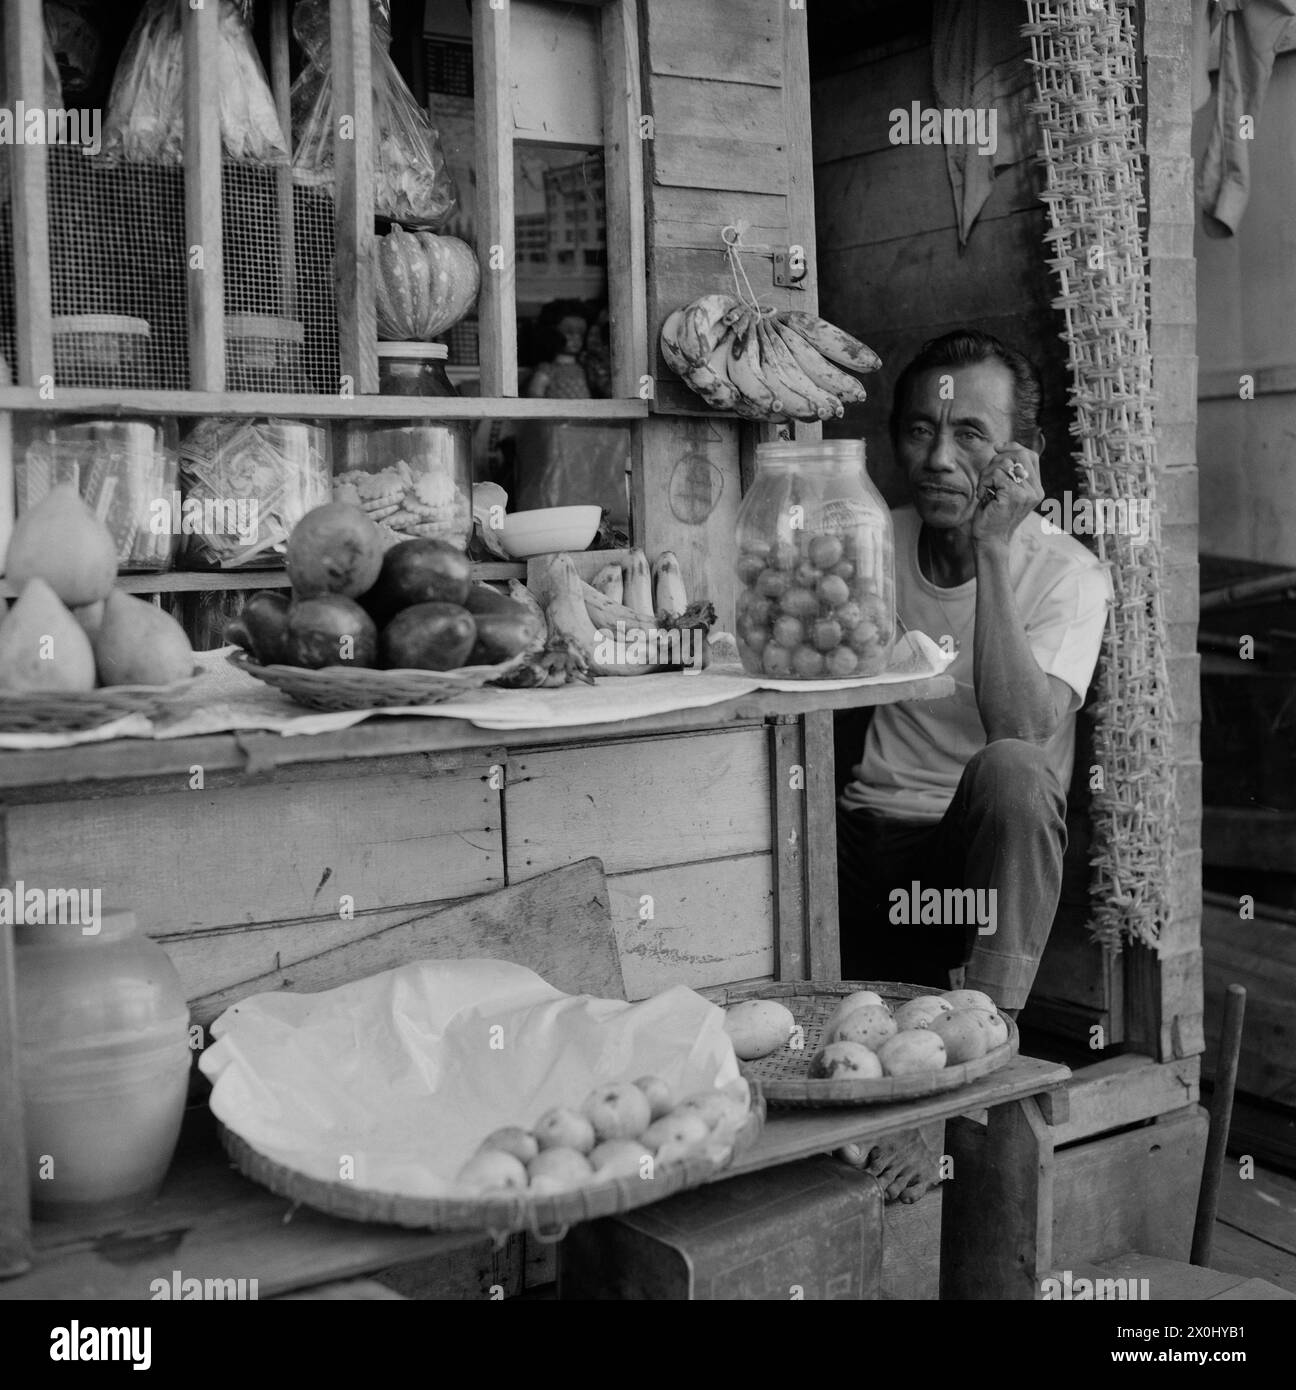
column 246, row 854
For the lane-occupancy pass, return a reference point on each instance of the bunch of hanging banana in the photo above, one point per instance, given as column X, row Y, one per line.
column 765, row 363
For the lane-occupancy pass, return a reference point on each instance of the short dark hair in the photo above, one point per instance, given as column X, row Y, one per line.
column 966, row 347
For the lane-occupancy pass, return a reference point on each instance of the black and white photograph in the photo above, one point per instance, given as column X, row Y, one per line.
column 647, row 654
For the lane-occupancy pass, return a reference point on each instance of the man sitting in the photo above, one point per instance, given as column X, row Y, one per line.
column 970, row 791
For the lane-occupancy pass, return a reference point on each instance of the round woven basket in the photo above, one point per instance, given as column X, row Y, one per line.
column 547, row 1217
column 61, row 712
column 366, row 687
column 784, row 1079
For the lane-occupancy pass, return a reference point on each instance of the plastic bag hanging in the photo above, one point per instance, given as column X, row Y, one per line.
column 412, row 185
column 145, row 120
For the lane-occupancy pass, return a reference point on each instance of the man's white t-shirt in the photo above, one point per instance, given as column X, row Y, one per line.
column 915, row 751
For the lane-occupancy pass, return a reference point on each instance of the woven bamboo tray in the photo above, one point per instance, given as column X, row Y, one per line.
column 366, row 687
column 547, row 1217
column 783, row 1077
column 73, row 712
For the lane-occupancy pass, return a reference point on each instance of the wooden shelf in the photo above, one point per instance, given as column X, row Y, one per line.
column 247, row 404
column 194, row 581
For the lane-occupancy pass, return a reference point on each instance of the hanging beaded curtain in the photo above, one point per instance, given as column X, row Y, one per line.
column 1085, row 57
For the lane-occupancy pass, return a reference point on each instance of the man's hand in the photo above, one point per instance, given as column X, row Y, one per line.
column 1008, row 490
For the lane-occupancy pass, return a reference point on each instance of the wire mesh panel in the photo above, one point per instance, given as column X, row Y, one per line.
column 278, row 248
column 118, row 248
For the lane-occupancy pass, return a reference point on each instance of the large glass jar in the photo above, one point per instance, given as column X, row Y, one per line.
column 104, row 1063
column 413, row 477
column 263, row 353
column 245, row 485
column 816, row 565
column 125, row 470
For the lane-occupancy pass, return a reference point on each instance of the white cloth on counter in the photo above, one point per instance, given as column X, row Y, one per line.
column 391, row 1082
column 227, row 700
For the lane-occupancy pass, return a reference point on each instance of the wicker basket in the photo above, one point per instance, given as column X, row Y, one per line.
column 784, row 1078
column 68, row 712
column 365, row 687
column 546, row 1217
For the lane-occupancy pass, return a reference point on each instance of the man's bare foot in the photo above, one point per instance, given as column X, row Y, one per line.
column 906, row 1165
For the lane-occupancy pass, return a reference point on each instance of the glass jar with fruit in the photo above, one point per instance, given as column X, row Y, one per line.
column 816, row 565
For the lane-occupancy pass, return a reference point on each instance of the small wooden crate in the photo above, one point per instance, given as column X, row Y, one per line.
column 805, row 1230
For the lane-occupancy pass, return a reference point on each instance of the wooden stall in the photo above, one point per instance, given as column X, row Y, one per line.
column 708, row 119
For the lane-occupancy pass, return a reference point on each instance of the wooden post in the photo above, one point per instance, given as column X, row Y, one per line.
column 997, row 1208
column 15, row 1209
column 353, row 257
column 497, row 304
column 822, row 934
column 282, row 85
column 29, row 213
column 623, row 163
column 204, row 234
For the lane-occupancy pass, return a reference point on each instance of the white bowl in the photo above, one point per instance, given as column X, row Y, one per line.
column 542, row 532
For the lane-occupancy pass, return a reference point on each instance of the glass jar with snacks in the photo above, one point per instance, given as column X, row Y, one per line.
column 816, row 565
column 245, row 484
column 103, row 1034
column 102, row 350
column 413, row 369
column 125, row 470
column 263, row 353
column 413, row 479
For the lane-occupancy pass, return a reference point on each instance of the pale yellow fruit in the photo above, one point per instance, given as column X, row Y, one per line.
column 871, row 1025
column 968, row 999
column 492, row 1169
column 660, row 1097
column 515, row 1140
column 618, row 1111
column 559, row 1170
column 918, row 1013
column 564, row 1128
column 42, row 650
column 996, row 1027
column 622, row 1158
column 859, row 1000
column 686, row 1127
column 677, row 1151
column 138, row 644
column 64, row 543
column 911, row 1051
column 846, row 1061
column 715, row 1107
column 964, row 1033
column 757, row 1027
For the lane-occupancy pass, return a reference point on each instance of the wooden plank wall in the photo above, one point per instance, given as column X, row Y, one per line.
column 726, row 88
column 892, row 272
column 690, row 872
column 243, row 879
column 1164, row 990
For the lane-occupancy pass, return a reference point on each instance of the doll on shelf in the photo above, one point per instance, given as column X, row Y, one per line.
column 560, row 337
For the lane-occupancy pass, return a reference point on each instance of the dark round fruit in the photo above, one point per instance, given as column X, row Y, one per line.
column 333, row 549
column 419, row 571
column 501, row 635
column 330, row 631
column 428, row 637
column 262, row 627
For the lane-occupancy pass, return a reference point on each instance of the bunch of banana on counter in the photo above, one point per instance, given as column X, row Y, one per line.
column 765, row 363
